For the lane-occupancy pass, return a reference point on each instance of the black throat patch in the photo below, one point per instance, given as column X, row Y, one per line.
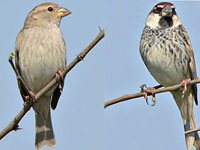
column 166, row 22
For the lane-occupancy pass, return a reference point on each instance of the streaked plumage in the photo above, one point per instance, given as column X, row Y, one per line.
column 167, row 52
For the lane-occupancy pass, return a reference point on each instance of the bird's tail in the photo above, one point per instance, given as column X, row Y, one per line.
column 192, row 139
column 44, row 129
column 197, row 140
column 185, row 105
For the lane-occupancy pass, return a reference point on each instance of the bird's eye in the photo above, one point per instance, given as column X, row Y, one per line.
column 50, row 9
column 158, row 9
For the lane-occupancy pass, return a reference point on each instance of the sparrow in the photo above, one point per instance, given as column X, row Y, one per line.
column 40, row 53
column 167, row 52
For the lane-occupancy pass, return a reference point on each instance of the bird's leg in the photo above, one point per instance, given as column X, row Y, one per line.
column 184, row 84
column 60, row 79
column 149, row 91
column 143, row 88
column 30, row 96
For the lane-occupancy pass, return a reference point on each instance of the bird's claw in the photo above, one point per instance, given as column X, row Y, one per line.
column 30, row 97
column 60, row 79
column 143, row 88
column 148, row 91
column 153, row 99
column 184, row 84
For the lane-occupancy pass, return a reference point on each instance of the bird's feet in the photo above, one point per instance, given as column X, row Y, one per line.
column 184, row 84
column 30, row 97
column 60, row 79
column 149, row 91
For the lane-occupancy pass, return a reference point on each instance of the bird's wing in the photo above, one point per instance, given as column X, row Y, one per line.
column 21, row 88
column 56, row 95
column 192, row 66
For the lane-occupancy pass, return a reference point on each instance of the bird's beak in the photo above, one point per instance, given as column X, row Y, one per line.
column 62, row 12
column 167, row 11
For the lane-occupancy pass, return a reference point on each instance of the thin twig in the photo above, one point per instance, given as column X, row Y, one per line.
column 191, row 131
column 14, row 123
column 19, row 78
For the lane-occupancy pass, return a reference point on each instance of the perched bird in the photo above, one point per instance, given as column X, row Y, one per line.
column 167, row 52
column 40, row 53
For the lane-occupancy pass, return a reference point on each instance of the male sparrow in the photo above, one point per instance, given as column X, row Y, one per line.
column 167, row 52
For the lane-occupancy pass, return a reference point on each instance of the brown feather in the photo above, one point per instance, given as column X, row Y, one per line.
column 21, row 88
column 55, row 97
column 192, row 66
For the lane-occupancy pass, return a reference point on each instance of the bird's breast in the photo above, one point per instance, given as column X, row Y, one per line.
column 165, row 58
column 41, row 54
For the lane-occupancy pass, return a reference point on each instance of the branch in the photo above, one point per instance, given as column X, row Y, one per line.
column 157, row 91
column 13, row 125
column 191, row 131
column 142, row 94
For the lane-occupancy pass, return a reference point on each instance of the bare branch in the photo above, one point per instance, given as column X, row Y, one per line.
column 157, row 91
column 13, row 125
column 142, row 94
column 191, row 131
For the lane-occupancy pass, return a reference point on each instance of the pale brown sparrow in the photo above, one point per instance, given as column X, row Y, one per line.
column 167, row 52
column 40, row 53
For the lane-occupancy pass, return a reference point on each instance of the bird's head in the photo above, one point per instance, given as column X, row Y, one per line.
column 45, row 14
column 163, row 15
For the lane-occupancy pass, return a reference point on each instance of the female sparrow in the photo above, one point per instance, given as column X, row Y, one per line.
column 40, row 53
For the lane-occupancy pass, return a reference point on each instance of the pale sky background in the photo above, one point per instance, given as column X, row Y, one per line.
column 113, row 68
